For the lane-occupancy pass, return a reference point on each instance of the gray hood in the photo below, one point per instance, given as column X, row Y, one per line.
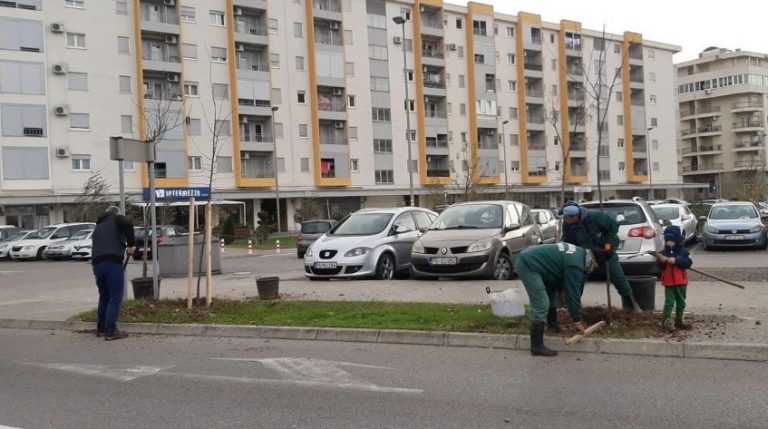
column 456, row 237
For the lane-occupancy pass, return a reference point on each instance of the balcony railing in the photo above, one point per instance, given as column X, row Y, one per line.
column 710, row 129
column 747, row 164
column 578, row 171
column 747, row 105
column 433, row 53
column 575, row 70
column 253, row 103
column 432, row 23
column 438, row 115
column 438, row 173
column 328, row 38
column 329, row 174
column 328, row 104
column 578, row 147
column 437, row 143
column 710, row 148
column 748, row 144
column 256, row 138
column 538, row 93
column 535, row 119
column 432, row 84
column 329, row 5
column 636, row 78
column 537, row 173
column 703, row 167
column 243, row 65
column 713, row 109
column 169, row 16
column 536, row 40
column 253, row 31
column 532, row 66
column 166, row 57
column 752, row 123
column 537, row 146
column 257, row 173
column 333, row 140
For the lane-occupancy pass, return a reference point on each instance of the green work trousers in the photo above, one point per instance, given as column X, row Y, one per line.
column 674, row 297
column 618, row 278
column 539, row 295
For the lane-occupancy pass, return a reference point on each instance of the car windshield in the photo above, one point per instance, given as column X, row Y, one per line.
column 315, row 227
column 471, row 216
column 81, row 235
column 629, row 214
column 665, row 213
column 733, row 212
column 41, row 233
column 362, row 224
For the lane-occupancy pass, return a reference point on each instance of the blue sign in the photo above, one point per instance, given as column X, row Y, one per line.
column 179, row 194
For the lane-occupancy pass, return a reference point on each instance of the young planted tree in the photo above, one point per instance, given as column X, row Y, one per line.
column 552, row 115
column 94, row 199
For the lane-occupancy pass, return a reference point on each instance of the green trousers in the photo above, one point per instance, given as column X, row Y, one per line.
column 540, row 297
column 618, row 279
column 674, row 297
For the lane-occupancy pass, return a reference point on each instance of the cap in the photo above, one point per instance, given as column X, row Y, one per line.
column 570, row 210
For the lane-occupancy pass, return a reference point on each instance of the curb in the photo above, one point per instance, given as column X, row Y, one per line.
column 722, row 351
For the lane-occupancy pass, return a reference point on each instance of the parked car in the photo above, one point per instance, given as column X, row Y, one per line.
column 34, row 244
column 310, row 231
column 64, row 249
column 83, row 248
column 163, row 232
column 549, row 225
column 7, row 231
column 10, row 239
column 639, row 232
column 368, row 243
column 475, row 239
column 734, row 224
column 679, row 216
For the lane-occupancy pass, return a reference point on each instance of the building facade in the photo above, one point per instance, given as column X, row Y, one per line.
column 309, row 96
column 722, row 97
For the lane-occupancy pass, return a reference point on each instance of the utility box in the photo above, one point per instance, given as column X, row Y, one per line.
column 173, row 254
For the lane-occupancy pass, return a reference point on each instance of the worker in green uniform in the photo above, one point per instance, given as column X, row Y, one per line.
column 545, row 271
column 598, row 232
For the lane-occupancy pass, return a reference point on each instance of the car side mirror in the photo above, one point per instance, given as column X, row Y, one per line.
column 512, row 227
column 423, row 230
column 400, row 229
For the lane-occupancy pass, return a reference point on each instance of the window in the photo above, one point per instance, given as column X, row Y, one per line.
column 463, row 136
column 619, row 96
column 348, row 39
column 622, row 166
column 654, row 122
column 220, row 91
column 620, row 143
column 79, row 121
column 280, row 165
column 273, row 25
column 278, row 130
column 21, row 35
column 410, row 74
column 653, row 99
column 554, row 64
column 461, row 81
column 75, row 3
column 81, row 162
column 655, row 166
column 655, row 144
column 352, row 133
column 216, row 18
column 224, row 164
column 305, row 165
column 479, row 28
column 460, row 51
column 351, row 101
column 449, row 108
column 298, row 30
column 276, row 96
column 651, row 54
column 513, row 113
column 121, row 7
column 23, row 163
column 405, row 13
column 194, row 127
column 125, row 83
column 462, row 109
column 382, row 145
column 379, row 84
column 22, row 78
column 554, row 90
column 77, row 81
column 221, row 128
column 514, row 165
column 514, row 140
column 377, row 52
column 300, row 63
column 188, row 14
column 126, row 124
column 274, row 60
column 598, row 44
column 652, row 76
column 303, row 130
column 189, row 51
column 619, row 119
column 458, row 23
column 410, row 105
column 605, row 174
column 381, row 114
column 411, row 135
column 349, row 69
column 616, row 48
column 76, row 40
column 190, row 89
column 479, row 59
column 510, row 31
column 194, row 163
column 218, row 55
column 129, row 166
column 354, row 165
column 301, row 97
column 23, row 120
column 510, row 58
column 384, row 176
column 123, row 45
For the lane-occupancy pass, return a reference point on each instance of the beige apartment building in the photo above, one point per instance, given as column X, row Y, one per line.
column 722, row 97
column 309, row 96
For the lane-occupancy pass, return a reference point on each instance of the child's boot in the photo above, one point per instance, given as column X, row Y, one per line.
column 680, row 324
column 666, row 324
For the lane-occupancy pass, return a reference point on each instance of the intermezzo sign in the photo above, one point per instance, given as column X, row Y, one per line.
column 179, row 194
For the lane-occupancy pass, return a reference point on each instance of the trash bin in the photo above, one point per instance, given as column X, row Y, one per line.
column 268, row 287
column 173, row 256
column 644, row 290
column 142, row 288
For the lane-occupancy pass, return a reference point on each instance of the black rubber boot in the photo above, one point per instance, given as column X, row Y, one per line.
column 628, row 302
column 537, row 341
column 680, row 324
column 552, row 325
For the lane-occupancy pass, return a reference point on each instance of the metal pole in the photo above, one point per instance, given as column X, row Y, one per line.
column 504, row 144
column 407, row 119
column 650, row 161
column 274, row 163
column 121, row 178
column 153, row 222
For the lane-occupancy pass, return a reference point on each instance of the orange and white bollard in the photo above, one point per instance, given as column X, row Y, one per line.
column 221, row 245
column 277, row 245
column 250, row 247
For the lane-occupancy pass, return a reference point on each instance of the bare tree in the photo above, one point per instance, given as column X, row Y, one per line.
column 94, row 198
column 466, row 178
column 553, row 116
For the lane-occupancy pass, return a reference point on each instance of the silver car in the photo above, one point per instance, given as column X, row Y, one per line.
column 734, row 224
column 368, row 243
column 679, row 216
column 549, row 225
column 311, row 230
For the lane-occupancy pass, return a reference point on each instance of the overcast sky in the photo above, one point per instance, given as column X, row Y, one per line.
column 692, row 25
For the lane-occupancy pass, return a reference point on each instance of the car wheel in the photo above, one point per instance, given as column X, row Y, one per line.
column 705, row 245
column 385, row 268
column 40, row 253
column 502, row 269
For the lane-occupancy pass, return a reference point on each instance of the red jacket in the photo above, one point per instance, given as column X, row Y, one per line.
column 675, row 274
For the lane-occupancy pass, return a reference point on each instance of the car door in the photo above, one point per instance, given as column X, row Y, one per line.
column 690, row 222
column 404, row 233
column 516, row 239
column 546, row 226
column 423, row 220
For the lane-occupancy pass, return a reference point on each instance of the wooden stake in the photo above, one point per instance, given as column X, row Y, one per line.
column 191, row 252
column 576, row 338
column 208, row 233
column 718, row 278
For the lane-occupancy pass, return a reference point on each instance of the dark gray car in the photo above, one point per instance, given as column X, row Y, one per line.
column 311, row 230
column 549, row 225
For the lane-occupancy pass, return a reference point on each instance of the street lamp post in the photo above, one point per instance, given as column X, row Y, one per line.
column 274, row 167
column 504, row 145
column 650, row 161
column 399, row 20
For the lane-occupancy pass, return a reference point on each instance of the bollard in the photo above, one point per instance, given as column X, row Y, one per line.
column 250, row 247
column 277, row 245
column 221, row 244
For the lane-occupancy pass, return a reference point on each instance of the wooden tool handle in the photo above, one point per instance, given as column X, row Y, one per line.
column 576, row 338
column 718, row 278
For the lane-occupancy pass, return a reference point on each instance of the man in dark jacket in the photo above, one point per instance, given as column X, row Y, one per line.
column 598, row 232
column 111, row 238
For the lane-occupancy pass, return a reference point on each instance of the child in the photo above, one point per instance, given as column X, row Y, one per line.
column 674, row 261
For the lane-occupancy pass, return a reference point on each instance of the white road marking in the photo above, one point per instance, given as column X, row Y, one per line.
column 6, row 273
column 241, row 273
column 103, row 371
column 7, row 427
column 20, row 301
column 276, row 254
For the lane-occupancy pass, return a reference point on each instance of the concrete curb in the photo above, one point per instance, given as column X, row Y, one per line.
column 723, row 351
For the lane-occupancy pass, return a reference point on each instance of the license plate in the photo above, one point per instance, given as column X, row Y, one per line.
column 734, row 237
column 325, row 265
column 443, row 261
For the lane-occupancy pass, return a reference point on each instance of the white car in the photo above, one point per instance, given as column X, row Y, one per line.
column 679, row 216
column 8, row 242
column 68, row 247
column 33, row 246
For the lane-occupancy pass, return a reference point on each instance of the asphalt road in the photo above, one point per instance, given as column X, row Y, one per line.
column 66, row 380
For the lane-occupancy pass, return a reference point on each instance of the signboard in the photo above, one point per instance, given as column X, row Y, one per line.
column 121, row 149
column 179, row 194
column 582, row 189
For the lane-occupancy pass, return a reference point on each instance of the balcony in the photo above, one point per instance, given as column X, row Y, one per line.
column 701, row 112
column 431, row 25
column 702, row 168
column 534, row 92
column 256, row 165
column 163, row 60
column 327, row 5
column 578, row 171
column 325, row 34
column 435, row 52
column 434, row 80
column 748, row 145
column 746, row 106
column 533, row 66
column 748, row 164
column 437, row 142
column 158, row 18
column 249, row 32
column 256, row 142
column 747, row 125
column 438, row 173
column 255, row 107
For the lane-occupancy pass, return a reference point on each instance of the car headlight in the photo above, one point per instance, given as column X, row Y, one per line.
column 3, row 246
column 357, row 251
column 86, row 247
column 417, row 247
column 308, row 252
column 712, row 230
column 757, row 228
column 27, row 247
column 480, row 245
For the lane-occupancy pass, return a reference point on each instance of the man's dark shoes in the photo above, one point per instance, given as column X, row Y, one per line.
column 100, row 332
column 115, row 335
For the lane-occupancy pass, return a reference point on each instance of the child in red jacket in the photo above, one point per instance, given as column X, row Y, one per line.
column 674, row 262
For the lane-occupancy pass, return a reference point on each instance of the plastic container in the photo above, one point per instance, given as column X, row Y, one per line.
column 268, row 287
column 644, row 290
column 142, row 288
column 507, row 303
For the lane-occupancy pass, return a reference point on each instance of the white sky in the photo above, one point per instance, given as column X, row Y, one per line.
column 693, row 25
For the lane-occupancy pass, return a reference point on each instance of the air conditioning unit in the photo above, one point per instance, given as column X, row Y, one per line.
column 397, row 40
column 245, row 156
column 708, row 91
column 57, row 27
column 171, row 39
column 451, row 46
column 238, row 11
column 334, row 25
column 169, row 2
column 61, row 110
column 171, row 77
column 338, row 124
column 338, row 91
column 244, row 120
column 62, row 152
column 240, row 47
column 60, row 68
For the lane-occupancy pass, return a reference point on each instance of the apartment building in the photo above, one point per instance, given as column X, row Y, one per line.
column 309, row 96
column 722, row 96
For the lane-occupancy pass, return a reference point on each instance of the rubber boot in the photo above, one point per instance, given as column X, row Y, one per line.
column 680, row 324
column 666, row 324
column 537, row 341
column 628, row 302
column 552, row 325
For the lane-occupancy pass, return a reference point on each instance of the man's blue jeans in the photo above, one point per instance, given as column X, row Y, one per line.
column 110, row 279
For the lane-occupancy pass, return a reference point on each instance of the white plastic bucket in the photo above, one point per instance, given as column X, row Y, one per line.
column 508, row 303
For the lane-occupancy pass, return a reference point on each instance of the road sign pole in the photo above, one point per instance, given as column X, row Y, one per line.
column 153, row 234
